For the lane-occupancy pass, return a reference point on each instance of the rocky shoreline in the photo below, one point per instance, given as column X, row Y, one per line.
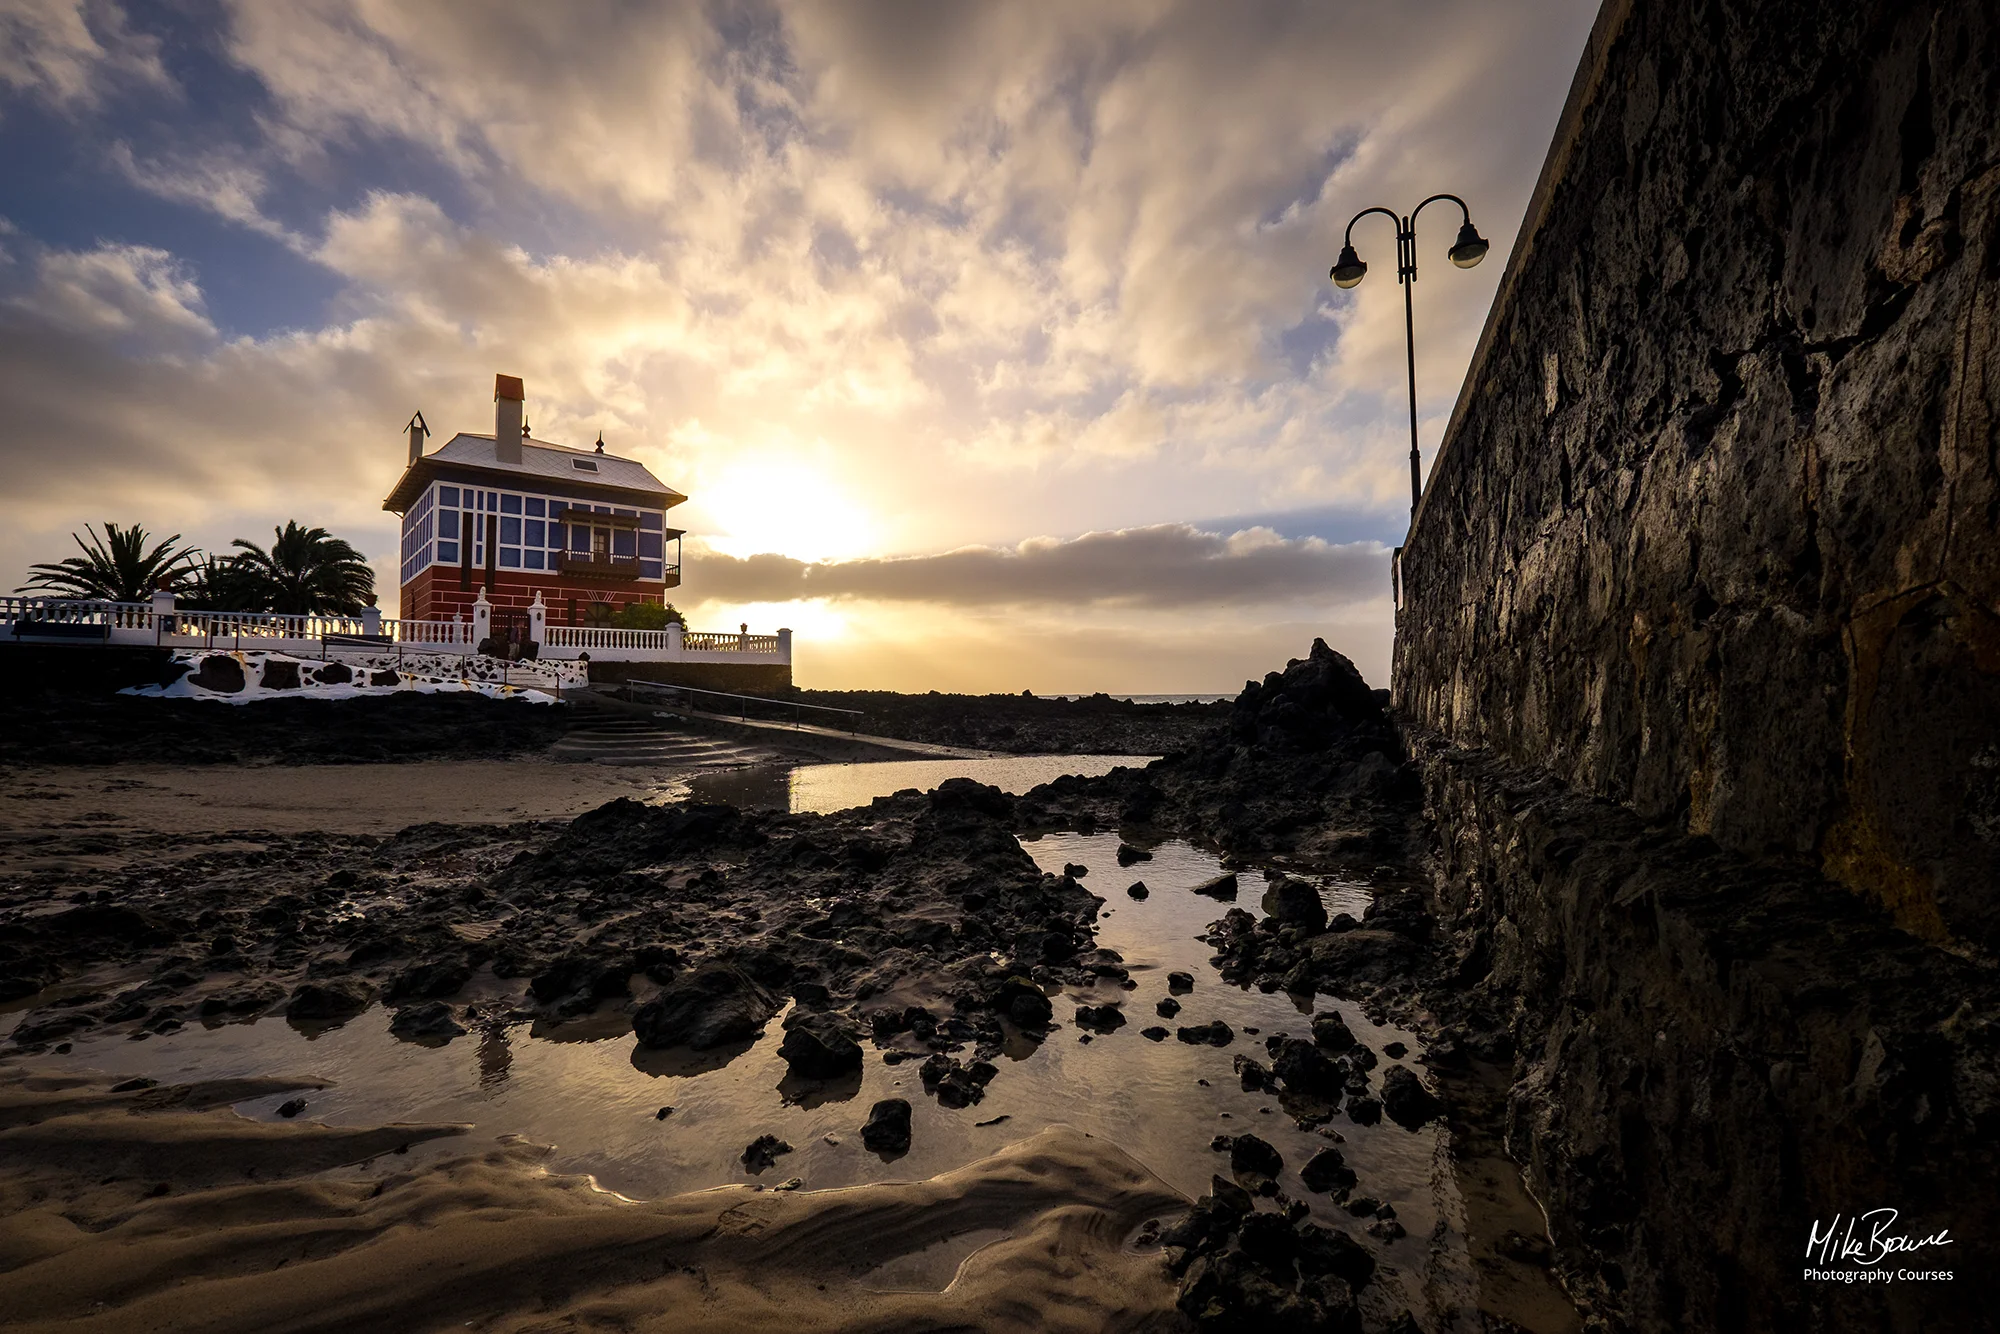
column 918, row 929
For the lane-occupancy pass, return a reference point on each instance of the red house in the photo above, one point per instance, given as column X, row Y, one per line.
column 515, row 516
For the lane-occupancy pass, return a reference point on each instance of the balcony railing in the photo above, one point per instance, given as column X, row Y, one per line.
column 29, row 620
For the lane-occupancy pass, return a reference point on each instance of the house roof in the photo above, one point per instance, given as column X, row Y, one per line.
column 541, row 463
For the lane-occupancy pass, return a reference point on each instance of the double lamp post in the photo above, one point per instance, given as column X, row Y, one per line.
column 1466, row 251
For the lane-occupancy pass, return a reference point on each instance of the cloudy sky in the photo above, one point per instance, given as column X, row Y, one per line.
column 993, row 343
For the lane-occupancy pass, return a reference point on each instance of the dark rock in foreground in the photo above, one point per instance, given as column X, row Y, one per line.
column 888, row 1128
column 709, row 1007
column 820, row 1046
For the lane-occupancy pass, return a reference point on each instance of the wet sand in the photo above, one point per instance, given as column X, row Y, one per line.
column 332, row 798
column 211, row 1222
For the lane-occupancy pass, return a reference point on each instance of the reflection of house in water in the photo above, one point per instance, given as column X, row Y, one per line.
column 514, row 516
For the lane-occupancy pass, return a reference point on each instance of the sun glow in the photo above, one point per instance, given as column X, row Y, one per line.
column 785, row 507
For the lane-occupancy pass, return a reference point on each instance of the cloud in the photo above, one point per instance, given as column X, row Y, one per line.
column 116, row 290
column 71, row 53
column 222, row 182
column 1161, row 566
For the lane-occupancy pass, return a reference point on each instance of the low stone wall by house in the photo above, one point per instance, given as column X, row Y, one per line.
column 740, row 678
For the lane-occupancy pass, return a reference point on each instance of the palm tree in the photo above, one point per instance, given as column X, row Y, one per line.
column 116, row 567
column 224, row 583
column 308, row 570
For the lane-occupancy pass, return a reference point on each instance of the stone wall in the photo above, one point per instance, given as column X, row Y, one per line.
column 1715, row 531
column 737, row 678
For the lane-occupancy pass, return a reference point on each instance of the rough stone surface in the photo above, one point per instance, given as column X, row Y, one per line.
column 888, row 1127
column 1716, row 529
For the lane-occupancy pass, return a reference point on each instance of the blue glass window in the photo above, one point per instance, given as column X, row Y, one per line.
column 448, row 495
column 601, row 509
column 510, row 557
column 533, row 557
column 510, row 532
column 557, row 537
column 630, row 514
column 655, row 522
column 537, row 506
column 649, row 546
column 510, row 504
column 448, row 552
column 537, row 533
column 579, row 537
column 649, row 569
column 621, row 541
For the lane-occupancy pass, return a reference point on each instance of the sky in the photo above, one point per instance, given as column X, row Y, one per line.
column 992, row 343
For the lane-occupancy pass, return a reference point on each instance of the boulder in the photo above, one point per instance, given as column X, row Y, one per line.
column 1248, row 1154
column 1296, row 903
column 1127, row 854
column 819, row 1045
column 1100, row 1018
column 1138, row 889
column 762, row 1153
column 1023, row 1002
column 1221, row 887
column 888, row 1128
column 428, row 1022
column 709, row 1007
column 1331, row 1031
column 279, row 674
column 1326, row 1172
column 1180, row 983
column 1304, row 1068
column 1167, row 1008
column 1215, row 1034
column 1406, row 1100
column 327, row 1002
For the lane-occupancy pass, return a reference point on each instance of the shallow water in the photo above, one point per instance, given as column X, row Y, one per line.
column 592, row 1093
column 823, row 788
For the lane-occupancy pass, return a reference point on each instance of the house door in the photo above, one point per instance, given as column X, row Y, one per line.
column 600, row 544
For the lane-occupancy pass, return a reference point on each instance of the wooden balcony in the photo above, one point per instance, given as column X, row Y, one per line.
column 618, row 569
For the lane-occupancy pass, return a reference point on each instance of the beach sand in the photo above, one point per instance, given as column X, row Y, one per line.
column 333, row 798
column 161, row 1209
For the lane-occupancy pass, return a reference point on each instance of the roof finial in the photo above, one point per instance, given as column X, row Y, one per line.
column 600, row 442
column 524, row 430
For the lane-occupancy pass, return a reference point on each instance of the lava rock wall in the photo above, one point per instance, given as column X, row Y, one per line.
column 1715, row 531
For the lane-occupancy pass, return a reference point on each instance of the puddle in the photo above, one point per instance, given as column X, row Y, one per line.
column 823, row 788
column 598, row 1099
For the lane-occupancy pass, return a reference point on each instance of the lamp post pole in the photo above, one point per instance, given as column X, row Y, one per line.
column 1466, row 251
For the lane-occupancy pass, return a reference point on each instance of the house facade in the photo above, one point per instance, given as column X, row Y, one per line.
column 512, row 517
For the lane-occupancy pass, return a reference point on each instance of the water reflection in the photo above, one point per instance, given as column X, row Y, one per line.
column 589, row 1089
column 838, row 787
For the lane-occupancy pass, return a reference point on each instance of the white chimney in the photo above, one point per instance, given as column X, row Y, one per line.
column 507, row 397
column 418, row 430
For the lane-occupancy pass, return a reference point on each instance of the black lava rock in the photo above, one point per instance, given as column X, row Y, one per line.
column 1406, row 1100
column 888, row 1128
column 709, row 1007
column 819, row 1045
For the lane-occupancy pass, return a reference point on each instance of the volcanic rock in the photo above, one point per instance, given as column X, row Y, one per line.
column 1406, row 1100
column 888, row 1128
column 763, row 1152
column 819, row 1045
column 709, row 1007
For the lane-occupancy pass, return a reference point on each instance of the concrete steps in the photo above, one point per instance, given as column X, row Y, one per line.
column 604, row 734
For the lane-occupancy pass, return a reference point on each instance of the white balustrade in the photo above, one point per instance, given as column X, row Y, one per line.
column 161, row 623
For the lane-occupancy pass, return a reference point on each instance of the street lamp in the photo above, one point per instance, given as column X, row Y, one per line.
column 1349, row 269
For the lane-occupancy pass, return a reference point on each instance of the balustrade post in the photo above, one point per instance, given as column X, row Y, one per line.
column 785, row 646
column 676, row 641
column 163, row 611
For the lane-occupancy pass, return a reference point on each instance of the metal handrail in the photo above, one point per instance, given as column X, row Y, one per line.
column 744, row 701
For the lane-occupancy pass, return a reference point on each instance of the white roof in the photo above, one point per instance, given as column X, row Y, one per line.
column 542, row 459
